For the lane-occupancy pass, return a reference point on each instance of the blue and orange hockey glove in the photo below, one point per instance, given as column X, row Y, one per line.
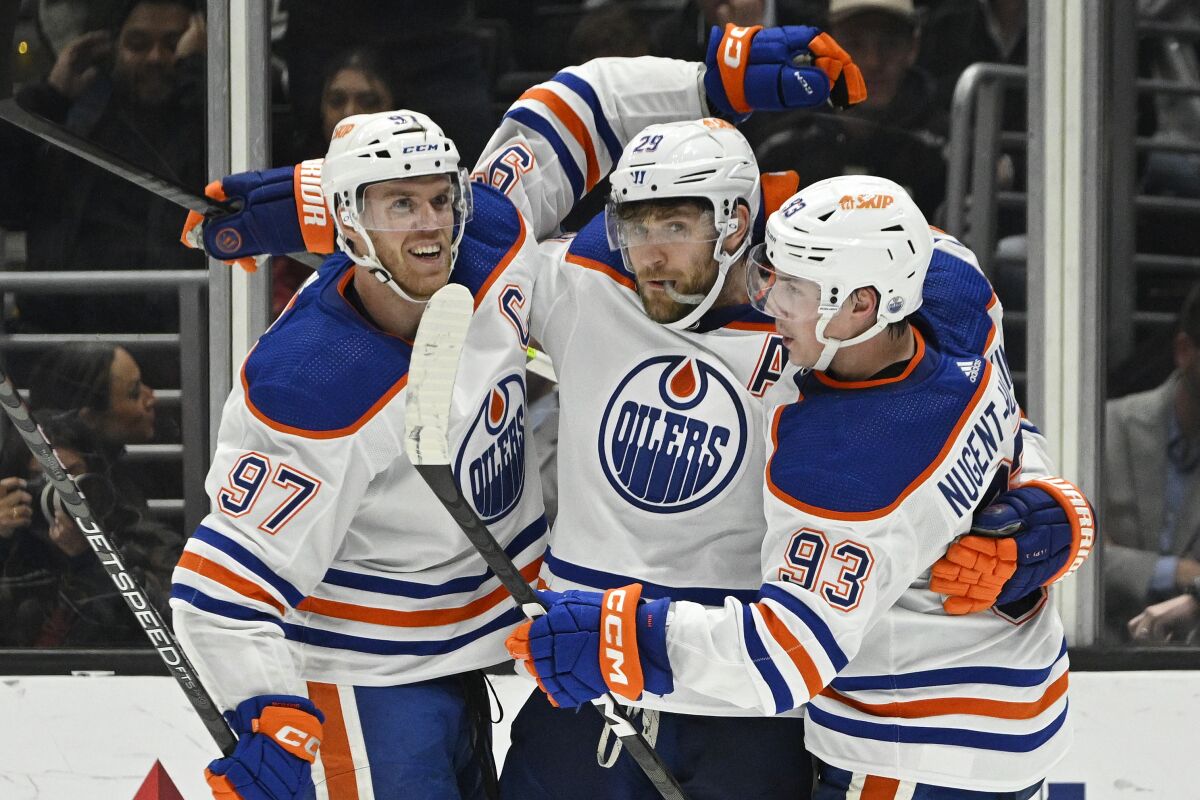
column 589, row 643
column 280, row 211
column 278, row 739
column 774, row 69
column 1031, row 536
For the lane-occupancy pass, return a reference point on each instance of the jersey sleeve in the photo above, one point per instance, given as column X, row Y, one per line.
column 561, row 137
column 828, row 586
column 281, row 504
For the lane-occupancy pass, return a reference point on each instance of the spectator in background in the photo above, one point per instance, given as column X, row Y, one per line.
column 434, row 59
column 53, row 589
column 898, row 132
column 684, row 35
column 354, row 83
column 610, row 30
column 104, row 383
column 137, row 91
column 959, row 33
column 1152, row 487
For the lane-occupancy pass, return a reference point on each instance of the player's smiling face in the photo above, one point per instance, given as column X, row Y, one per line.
column 411, row 222
column 670, row 246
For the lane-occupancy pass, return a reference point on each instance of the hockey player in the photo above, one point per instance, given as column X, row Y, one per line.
column 586, row 312
column 349, row 596
column 886, row 441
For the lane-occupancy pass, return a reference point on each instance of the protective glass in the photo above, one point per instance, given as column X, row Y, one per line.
column 657, row 228
column 778, row 294
column 416, row 204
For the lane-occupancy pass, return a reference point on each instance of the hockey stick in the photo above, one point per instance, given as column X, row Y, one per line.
column 431, row 374
column 152, row 623
column 64, row 139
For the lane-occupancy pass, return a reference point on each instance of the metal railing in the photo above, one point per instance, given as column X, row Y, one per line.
column 190, row 286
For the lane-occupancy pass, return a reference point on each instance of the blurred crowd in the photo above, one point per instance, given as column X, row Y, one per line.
column 130, row 76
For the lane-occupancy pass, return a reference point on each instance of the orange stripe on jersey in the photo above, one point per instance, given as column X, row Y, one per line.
column 861, row 516
column 571, row 121
column 912, row 364
column 336, row 758
column 758, row 327
column 791, row 645
column 414, row 619
column 603, row 268
column 876, row 787
column 504, row 262
column 972, row 706
column 227, row 578
column 991, row 337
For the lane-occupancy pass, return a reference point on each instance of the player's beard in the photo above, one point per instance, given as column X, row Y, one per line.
column 418, row 277
column 699, row 279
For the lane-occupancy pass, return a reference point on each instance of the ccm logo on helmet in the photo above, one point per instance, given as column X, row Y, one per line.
column 733, row 47
column 297, row 738
column 866, row 201
column 419, row 148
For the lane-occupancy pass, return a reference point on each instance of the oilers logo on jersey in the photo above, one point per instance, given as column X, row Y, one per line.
column 490, row 466
column 673, row 435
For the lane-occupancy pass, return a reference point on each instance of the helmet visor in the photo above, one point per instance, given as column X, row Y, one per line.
column 421, row 203
column 778, row 294
column 656, row 225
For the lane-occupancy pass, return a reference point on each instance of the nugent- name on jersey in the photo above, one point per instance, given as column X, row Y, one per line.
column 868, row 483
column 323, row 542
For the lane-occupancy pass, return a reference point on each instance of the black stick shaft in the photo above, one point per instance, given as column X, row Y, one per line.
column 440, row 478
column 152, row 623
column 170, row 191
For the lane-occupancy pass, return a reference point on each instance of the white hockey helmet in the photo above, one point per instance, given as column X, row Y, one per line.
column 707, row 160
column 386, row 146
column 836, row 236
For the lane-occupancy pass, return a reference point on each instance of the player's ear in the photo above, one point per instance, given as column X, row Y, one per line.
column 739, row 228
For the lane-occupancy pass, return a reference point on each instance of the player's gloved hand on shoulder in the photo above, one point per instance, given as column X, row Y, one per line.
column 1031, row 536
column 278, row 738
column 774, row 69
column 279, row 211
column 589, row 643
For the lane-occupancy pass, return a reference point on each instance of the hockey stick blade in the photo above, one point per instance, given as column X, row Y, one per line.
column 64, row 139
column 152, row 623
column 430, row 393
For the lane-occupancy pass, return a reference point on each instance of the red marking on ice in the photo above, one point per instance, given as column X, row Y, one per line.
column 158, row 786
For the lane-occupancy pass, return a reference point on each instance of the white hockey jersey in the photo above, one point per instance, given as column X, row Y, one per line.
column 325, row 556
column 868, row 483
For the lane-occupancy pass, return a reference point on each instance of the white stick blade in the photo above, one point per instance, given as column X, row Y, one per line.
column 431, row 373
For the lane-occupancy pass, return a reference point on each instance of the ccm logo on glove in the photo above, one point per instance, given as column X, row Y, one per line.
column 622, row 668
column 734, row 40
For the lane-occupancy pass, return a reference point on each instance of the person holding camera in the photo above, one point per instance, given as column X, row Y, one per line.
column 53, row 590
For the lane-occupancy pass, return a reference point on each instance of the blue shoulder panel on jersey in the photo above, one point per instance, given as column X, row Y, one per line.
column 322, row 370
column 492, row 237
column 829, row 445
column 592, row 243
column 955, row 305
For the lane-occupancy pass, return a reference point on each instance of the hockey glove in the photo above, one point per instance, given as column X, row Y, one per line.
column 1031, row 536
column 774, row 69
column 278, row 738
column 279, row 211
column 589, row 643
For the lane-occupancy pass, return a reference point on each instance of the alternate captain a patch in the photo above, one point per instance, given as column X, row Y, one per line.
column 673, row 435
column 490, row 466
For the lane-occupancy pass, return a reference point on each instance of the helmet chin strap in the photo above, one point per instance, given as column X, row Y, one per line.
column 382, row 274
column 705, row 302
column 833, row 345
